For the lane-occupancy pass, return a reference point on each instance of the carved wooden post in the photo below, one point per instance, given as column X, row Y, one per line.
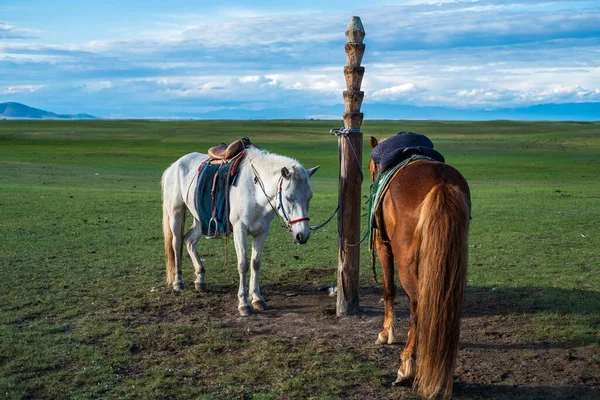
column 350, row 142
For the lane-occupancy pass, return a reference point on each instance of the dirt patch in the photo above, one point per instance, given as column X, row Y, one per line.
column 495, row 360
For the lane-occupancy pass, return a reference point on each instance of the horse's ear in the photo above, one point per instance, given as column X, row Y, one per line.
column 311, row 171
column 374, row 142
column 285, row 173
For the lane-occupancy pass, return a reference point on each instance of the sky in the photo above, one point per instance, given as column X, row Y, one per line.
column 470, row 59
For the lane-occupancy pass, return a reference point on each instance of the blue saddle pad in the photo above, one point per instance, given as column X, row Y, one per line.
column 396, row 149
column 212, row 197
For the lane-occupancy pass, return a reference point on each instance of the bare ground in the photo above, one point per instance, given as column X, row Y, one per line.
column 495, row 360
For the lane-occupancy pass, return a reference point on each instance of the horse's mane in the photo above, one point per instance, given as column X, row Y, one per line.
column 270, row 160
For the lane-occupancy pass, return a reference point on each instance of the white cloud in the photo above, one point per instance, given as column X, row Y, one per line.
column 326, row 85
column 394, row 92
column 561, row 94
column 96, row 86
column 22, row 88
column 249, row 79
column 479, row 94
column 9, row 31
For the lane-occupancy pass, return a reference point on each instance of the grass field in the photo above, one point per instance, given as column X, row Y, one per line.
column 85, row 312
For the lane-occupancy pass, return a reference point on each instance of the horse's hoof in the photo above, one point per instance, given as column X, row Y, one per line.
column 201, row 287
column 245, row 311
column 260, row 305
column 178, row 287
column 404, row 379
column 381, row 339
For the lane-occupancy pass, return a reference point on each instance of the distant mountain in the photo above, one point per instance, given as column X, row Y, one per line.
column 21, row 111
column 373, row 111
column 540, row 112
column 376, row 111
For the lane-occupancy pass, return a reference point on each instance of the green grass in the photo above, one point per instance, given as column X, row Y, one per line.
column 81, row 250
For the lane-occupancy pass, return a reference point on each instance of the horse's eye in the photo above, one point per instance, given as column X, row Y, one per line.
column 289, row 199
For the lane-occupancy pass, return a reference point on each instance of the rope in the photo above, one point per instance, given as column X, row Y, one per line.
column 317, row 227
column 226, row 250
column 365, row 236
column 262, row 187
column 345, row 133
column 287, row 223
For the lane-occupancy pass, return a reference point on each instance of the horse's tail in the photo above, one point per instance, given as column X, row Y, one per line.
column 443, row 230
column 169, row 252
column 168, row 235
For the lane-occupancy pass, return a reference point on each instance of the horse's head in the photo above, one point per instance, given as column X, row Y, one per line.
column 373, row 166
column 294, row 196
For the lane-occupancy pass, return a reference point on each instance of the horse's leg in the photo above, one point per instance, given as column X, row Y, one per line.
column 405, row 258
column 191, row 242
column 258, row 242
column 177, row 226
column 387, row 335
column 240, row 239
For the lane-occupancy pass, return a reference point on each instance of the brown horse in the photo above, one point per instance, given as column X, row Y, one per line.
column 423, row 224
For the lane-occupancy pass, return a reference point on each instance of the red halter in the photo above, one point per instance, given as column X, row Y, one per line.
column 298, row 220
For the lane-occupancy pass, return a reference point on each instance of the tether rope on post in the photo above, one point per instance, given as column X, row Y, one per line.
column 345, row 133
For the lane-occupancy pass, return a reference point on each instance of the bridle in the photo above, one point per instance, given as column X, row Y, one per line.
column 286, row 219
column 280, row 206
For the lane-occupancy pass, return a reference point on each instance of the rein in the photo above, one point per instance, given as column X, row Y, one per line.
column 287, row 221
column 280, row 192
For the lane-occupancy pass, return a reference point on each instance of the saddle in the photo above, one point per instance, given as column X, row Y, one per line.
column 225, row 152
column 215, row 176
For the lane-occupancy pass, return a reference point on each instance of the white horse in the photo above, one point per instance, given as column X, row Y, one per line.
column 266, row 184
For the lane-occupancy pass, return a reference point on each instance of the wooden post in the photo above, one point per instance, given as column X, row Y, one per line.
column 350, row 142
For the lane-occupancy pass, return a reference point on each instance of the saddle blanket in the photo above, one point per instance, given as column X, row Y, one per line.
column 396, row 149
column 380, row 186
column 212, row 195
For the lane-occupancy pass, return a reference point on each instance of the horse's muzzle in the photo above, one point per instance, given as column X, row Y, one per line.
column 301, row 238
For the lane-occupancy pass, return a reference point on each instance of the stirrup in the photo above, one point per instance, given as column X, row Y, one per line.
column 214, row 234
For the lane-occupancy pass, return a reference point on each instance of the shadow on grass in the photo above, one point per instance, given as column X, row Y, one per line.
column 486, row 301
column 479, row 301
column 476, row 391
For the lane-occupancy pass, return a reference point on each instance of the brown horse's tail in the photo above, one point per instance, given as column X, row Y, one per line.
column 443, row 229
